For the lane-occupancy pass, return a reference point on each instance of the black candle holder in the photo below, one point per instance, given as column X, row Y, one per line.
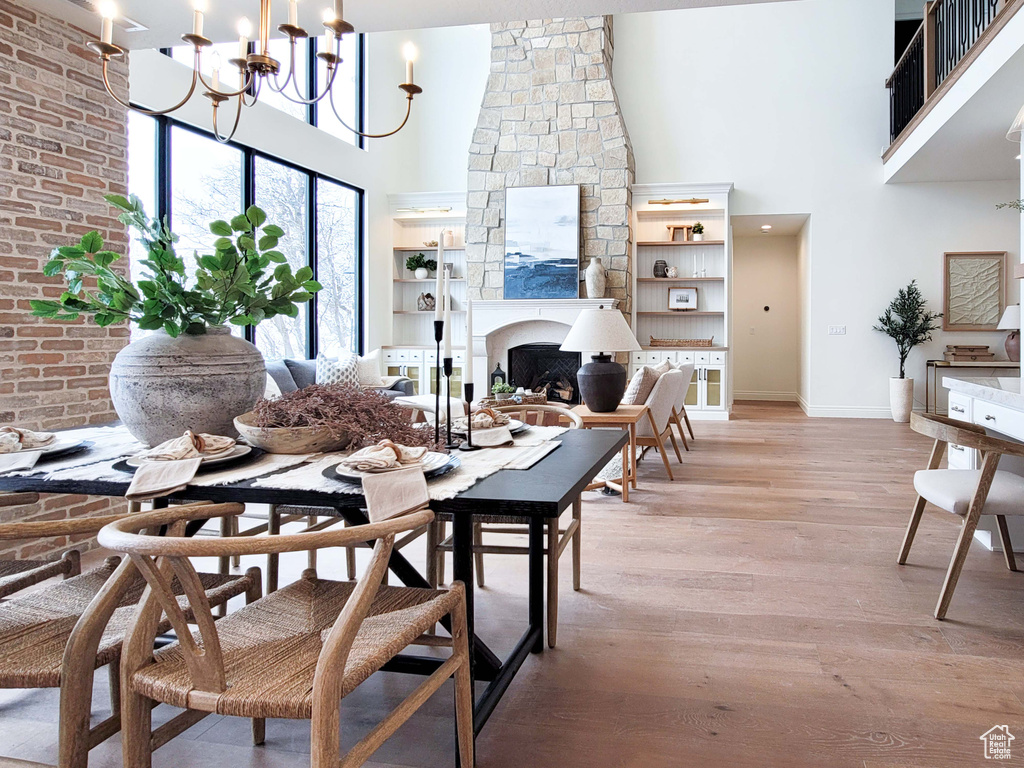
column 468, row 444
column 448, row 369
column 438, row 337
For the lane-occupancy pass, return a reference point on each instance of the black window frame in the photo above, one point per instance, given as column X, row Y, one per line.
column 164, row 153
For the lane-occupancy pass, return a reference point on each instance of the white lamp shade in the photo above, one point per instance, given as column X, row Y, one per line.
column 1010, row 321
column 1017, row 127
column 600, row 330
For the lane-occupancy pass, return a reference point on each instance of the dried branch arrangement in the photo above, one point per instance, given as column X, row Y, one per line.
column 364, row 415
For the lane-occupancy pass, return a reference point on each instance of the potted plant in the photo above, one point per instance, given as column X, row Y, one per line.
column 698, row 232
column 191, row 373
column 421, row 266
column 503, row 391
column 908, row 323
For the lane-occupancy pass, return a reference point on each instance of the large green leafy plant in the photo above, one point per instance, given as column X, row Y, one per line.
column 236, row 284
column 907, row 322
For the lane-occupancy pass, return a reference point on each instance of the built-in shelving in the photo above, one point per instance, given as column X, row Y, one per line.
column 666, row 280
column 684, row 243
column 680, row 313
column 647, row 348
column 424, row 312
column 427, row 280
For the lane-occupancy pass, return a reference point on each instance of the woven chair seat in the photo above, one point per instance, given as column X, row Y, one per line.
column 271, row 648
column 15, row 575
column 291, row 509
column 34, row 628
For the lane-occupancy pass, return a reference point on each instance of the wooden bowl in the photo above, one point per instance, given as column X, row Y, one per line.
column 291, row 440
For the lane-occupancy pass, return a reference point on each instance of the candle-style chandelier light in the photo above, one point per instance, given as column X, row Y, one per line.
column 256, row 69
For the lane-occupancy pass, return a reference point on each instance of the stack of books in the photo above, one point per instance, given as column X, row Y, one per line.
column 969, row 354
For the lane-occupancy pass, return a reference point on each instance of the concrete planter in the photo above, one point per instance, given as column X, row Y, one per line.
column 901, row 399
column 595, row 279
column 162, row 386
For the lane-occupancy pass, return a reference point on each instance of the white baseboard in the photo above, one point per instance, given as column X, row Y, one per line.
column 845, row 411
column 696, row 415
column 776, row 397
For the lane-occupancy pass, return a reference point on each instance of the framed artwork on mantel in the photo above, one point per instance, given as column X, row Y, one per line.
column 542, row 242
column 974, row 290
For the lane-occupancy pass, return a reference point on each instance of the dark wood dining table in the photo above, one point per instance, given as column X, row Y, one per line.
column 536, row 494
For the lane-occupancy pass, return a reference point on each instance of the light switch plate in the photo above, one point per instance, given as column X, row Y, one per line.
column 837, row 330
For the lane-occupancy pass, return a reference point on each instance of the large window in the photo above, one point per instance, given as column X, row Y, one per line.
column 186, row 175
column 310, row 77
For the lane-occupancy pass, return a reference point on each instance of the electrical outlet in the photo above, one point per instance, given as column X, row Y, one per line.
column 752, row 330
column 837, row 330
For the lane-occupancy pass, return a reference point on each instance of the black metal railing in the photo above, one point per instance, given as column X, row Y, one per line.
column 949, row 30
column 906, row 86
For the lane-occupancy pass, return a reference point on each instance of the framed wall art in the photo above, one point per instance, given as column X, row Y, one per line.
column 974, row 290
column 682, row 299
column 542, row 242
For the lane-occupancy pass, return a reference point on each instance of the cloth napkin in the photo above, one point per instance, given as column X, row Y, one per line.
column 397, row 493
column 384, row 455
column 13, row 439
column 492, row 438
column 485, row 418
column 161, row 478
column 189, row 446
column 22, row 460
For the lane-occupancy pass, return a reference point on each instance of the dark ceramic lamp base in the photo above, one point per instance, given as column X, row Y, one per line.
column 1013, row 347
column 602, row 383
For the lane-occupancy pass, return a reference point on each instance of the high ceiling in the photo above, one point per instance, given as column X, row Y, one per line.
column 166, row 20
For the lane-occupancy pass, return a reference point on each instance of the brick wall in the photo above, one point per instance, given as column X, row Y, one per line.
column 63, row 145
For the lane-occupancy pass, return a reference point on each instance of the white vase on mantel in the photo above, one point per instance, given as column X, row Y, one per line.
column 595, row 278
column 901, row 399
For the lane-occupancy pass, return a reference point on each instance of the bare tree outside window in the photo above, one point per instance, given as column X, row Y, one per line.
column 338, row 302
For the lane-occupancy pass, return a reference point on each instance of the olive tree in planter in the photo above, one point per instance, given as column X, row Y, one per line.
column 191, row 373
column 908, row 323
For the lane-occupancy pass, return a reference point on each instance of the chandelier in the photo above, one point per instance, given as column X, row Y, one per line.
column 255, row 70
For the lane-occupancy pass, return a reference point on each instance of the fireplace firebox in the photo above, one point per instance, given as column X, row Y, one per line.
column 545, row 367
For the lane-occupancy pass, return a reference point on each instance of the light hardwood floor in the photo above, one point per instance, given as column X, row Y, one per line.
column 749, row 614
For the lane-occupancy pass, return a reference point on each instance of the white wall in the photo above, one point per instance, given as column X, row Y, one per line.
column 787, row 101
column 803, row 265
column 766, row 345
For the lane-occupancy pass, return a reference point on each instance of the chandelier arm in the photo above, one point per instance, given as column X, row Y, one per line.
column 316, row 99
column 228, row 94
column 238, row 114
column 273, row 85
column 150, row 112
column 408, row 112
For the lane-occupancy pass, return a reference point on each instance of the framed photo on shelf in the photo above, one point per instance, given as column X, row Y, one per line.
column 974, row 290
column 682, row 299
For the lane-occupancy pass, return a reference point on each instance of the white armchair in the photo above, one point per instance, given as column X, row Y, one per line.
column 652, row 433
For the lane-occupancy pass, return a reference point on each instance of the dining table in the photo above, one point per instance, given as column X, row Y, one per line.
column 536, row 494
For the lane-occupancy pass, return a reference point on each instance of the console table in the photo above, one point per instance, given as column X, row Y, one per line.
column 931, row 376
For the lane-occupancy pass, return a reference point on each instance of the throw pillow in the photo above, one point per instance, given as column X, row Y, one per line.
column 369, row 370
column 664, row 367
column 344, row 370
column 271, row 390
column 640, row 386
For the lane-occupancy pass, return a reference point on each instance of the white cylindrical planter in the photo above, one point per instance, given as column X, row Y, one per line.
column 901, row 399
column 421, row 274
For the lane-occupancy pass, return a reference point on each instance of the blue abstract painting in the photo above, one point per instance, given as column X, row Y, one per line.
column 542, row 242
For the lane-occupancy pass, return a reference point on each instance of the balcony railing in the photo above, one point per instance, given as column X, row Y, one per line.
column 951, row 28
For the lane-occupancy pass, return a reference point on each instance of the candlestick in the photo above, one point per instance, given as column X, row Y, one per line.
column 293, row 13
column 108, row 11
column 410, row 56
column 215, row 65
column 468, row 376
column 448, row 370
column 447, row 315
column 197, row 17
column 468, row 445
column 438, row 333
column 244, row 30
column 438, row 308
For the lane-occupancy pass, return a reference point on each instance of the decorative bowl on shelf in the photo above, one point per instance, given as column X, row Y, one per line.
column 290, row 440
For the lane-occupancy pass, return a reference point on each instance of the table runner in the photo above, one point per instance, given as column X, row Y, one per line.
column 476, row 465
column 108, row 443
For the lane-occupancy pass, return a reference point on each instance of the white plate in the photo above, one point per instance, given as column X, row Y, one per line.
column 237, row 452
column 432, row 462
column 515, row 426
column 60, row 446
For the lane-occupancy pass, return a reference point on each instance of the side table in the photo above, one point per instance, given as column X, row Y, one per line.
column 624, row 417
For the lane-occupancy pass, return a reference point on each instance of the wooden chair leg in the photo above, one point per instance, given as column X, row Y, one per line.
column 463, row 687
column 236, row 560
column 442, row 533
column 259, row 731
column 956, row 565
column 552, row 581
column 1004, row 538
column 350, row 559
column 682, row 429
column 675, row 445
column 664, row 456
column 908, row 537
column 114, row 676
column 74, row 559
column 311, row 554
column 478, row 557
column 432, row 542
column 273, row 559
column 686, row 418
column 136, row 729
column 577, row 542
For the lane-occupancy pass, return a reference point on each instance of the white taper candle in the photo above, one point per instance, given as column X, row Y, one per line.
column 468, row 377
column 447, row 316
column 438, row 310
column 293, row 13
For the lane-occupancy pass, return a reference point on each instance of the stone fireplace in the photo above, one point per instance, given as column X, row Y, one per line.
column 550, row 116
column 545, row 368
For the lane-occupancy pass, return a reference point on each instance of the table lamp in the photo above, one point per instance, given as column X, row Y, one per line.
column 1010, row 321
column 602, row 381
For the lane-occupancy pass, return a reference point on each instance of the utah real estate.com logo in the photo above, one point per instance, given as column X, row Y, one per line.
column 997, row 742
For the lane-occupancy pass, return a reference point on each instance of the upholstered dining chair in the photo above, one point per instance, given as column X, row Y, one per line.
column 16, row 574
column 679, row 409
column 652, row 432
column 59, row 635
column 296, row 652
column 438, row 542
column 968, row 494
